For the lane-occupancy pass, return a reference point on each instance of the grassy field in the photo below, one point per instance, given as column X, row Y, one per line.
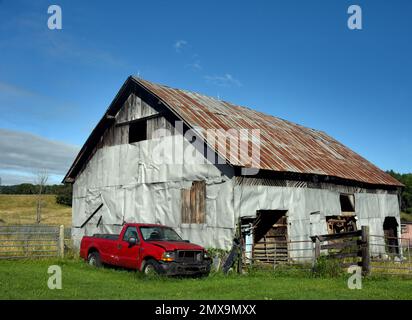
column 21, row 209
column 406, row 216
column 28, row 280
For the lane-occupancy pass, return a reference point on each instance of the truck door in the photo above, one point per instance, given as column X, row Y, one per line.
column 129, row 253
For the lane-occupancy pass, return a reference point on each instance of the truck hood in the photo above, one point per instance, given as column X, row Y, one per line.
column 175, row 245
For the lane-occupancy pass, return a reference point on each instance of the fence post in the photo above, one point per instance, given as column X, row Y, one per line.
column 316, row 252
column 317, row 248
column 26, row 247
column 365, row 251
column 61, row 241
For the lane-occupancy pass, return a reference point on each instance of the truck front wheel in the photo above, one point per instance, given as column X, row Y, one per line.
column 94, row 259
column 151, row 267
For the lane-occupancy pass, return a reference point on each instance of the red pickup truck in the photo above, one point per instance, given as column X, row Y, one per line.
column 150, row 248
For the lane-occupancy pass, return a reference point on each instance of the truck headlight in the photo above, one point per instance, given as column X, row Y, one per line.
column 206, row 255
column 168, row 256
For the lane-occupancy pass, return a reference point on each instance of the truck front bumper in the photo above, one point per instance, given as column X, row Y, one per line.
column 179, row 268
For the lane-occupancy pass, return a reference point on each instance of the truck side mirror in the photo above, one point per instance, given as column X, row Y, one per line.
column 132, row 241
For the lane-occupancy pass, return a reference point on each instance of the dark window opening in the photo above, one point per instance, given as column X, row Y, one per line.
column 131, row 232
column 390, row 229
column 347, row 202
column 194, row 203
column 137, row 131
column 159, row 234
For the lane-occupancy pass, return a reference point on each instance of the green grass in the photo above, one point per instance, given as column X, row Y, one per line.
column 28, row 280
column 21, row 209
column 406, row 216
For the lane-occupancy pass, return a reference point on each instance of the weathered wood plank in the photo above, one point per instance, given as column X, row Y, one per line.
column 186, row 206
column 337, row 236
column 365, row 250
column 341, row 245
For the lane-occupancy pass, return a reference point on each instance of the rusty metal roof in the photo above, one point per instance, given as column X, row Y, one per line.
column 284, row 146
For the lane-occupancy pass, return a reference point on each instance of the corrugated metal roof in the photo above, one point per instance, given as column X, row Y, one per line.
column 284, row 146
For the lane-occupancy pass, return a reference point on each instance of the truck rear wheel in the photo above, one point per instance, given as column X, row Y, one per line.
column 151, row 267
column 94, row 259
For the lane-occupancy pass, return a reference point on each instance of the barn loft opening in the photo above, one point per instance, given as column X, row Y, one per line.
column 390, row 229
column 347, row 202
column 138, row 131
column 346, row 222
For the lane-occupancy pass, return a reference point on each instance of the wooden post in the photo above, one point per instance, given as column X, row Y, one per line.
column 365, row 251
column 61, row 241
column 26, row 246
column 316, row 252
column 317, row 248
column 240, row 251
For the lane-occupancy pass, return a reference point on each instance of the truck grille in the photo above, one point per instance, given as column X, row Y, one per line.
column 189, row 256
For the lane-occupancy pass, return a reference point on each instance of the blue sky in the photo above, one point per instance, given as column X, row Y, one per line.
column 293, row 59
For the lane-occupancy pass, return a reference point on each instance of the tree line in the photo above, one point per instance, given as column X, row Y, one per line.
column 406, row 196
column 63, row 192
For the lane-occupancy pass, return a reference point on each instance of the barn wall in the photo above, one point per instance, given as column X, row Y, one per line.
column 140, row 190
column 134, row 187
column 308, row 207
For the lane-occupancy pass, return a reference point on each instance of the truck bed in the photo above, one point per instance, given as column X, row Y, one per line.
column 107, row 236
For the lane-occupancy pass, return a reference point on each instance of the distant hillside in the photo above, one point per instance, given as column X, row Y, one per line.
column 62, row 191
column 21, row 209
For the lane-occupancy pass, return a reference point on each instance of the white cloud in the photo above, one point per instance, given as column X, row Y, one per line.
column 12, row 90
column 23, row 154
column 179, row 44
column 196, row 66
column 226, row 80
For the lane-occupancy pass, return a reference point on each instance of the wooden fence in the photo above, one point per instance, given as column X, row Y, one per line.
column 33, row 241
column 376, row 255
column 390, row 255
column 349, row 248
column 277, row 252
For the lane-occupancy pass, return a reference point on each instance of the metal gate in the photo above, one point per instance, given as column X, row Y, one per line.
column 31, row 241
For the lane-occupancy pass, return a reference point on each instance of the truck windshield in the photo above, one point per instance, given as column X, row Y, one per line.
column 159, row 234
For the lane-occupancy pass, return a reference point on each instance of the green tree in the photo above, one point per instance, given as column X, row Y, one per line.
column 64, row 195
column 406, row 195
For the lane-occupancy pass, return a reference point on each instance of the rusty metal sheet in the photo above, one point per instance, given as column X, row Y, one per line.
column 284, row 146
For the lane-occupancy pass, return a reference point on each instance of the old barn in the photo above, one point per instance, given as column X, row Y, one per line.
column 156, row 157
